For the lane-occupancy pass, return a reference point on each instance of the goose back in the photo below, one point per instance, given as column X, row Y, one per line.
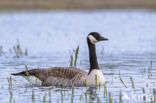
column 56, row 76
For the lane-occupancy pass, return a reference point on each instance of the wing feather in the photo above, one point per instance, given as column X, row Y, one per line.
column 65, row 76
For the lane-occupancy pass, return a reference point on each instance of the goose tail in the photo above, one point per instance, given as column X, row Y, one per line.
column 18, row 74
column 25, row 73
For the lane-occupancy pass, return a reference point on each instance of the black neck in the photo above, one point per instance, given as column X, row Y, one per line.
column 92, row 56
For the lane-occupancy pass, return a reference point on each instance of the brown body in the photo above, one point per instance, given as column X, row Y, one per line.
column 57, row 76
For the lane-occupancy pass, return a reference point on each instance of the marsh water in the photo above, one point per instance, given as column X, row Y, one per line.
column 128, row 59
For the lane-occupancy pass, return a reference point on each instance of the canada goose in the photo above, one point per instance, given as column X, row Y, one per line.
column 69, row 76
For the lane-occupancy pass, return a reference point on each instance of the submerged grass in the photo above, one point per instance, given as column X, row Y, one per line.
column 71, row 61
column 1, row 51
column 132, row 81
column 50, row 97
column 120, row 97
column 72, row 95
column 76, row 56
column 10, row 82
column 154, row 94
column 44, row 98
column 33, row 97
column 76, row 52
column 10, row 88
column 86, row 87
column 149, row 69
column 151, row 64
column 62, row 96
column 11, row 95
column 105, row 90
column 110, row 98
column 122, row 81
column 96, row 80
column 16, row 51
column 26, row 67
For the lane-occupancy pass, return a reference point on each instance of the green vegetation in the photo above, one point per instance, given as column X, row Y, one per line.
column 10, row 88
column 151, row 64
column 10, row 82
column 71, row 61
column 72, row 95
column 122, row 82
column 132, row 81
column 86, row 87
column 86, row 84
column 16, row 51
column 33, row 96
column 105, row 90
column 11, row 95
column 110, row 98
column 44, row 98
column 26, row 67
column 62, row 95
column 149, row 69
column 50, row 97
column 1, row 51
column 96, row 80
column 120, row 97
column 76, row 56
column 76, row 52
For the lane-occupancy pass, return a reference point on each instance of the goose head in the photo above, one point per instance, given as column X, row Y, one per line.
column 95, row 37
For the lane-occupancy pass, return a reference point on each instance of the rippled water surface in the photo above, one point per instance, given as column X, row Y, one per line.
column 128, row 59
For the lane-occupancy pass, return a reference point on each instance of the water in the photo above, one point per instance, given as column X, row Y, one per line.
column 50, row 38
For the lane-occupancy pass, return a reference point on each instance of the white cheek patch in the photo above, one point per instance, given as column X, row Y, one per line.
column 92, row 39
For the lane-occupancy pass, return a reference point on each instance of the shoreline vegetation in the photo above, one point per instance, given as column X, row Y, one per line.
column 76, row 4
